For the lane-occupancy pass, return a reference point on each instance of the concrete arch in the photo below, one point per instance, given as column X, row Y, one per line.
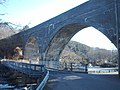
column 31, row 51
column 60, row 40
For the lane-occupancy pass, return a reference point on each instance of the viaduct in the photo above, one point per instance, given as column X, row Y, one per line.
column 46, row 41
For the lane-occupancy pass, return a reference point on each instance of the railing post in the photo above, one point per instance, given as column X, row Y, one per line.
column 71, row 67
column 22, row 65
column 42, row 68
column 35, row 67
column 30, row 66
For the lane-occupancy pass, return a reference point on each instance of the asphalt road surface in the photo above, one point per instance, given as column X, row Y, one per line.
column 60, row 80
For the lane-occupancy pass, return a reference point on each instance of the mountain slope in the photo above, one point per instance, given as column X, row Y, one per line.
column 6, row 30
column 77, row 52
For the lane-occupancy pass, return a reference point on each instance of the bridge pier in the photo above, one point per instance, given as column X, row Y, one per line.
column 119, row 57
column 117, row 15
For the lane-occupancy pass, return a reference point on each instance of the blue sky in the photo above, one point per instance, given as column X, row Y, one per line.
column 34, row 12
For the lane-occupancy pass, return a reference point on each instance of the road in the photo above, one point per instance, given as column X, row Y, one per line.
column 60, row 80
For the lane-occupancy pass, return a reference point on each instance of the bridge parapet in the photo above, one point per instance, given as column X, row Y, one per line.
column 33, row 70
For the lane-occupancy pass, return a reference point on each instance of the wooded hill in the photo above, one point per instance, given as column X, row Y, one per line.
column 77, row 52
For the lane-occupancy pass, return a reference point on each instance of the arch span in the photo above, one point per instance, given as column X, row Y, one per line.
column 60, row 40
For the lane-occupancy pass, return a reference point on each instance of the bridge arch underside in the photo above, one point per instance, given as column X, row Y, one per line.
column 60, row 40
column 31, row 52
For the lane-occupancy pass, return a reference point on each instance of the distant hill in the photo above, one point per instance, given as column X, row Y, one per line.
column 74, row 51
column 6, row 30
column 77, row 52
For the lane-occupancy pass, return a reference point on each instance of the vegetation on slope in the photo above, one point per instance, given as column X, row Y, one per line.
column 77, row 52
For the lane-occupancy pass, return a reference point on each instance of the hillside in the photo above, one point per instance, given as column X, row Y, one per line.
column 77, row 52
column 6, row 30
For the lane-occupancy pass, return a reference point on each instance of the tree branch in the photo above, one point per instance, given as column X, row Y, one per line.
column 2, row 1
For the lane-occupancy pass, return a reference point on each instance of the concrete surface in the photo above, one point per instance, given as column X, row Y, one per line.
column 79, row 81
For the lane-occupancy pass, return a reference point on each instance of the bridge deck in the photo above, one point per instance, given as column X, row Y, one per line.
column 32, row 70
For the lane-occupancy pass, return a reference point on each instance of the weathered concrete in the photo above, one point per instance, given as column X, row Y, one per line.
column 52, row 36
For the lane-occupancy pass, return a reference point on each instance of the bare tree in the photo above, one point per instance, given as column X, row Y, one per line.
column 2, row 1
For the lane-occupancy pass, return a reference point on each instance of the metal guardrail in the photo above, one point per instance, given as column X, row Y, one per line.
column 102, row 70
column 25, row 67
column 43, row 83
